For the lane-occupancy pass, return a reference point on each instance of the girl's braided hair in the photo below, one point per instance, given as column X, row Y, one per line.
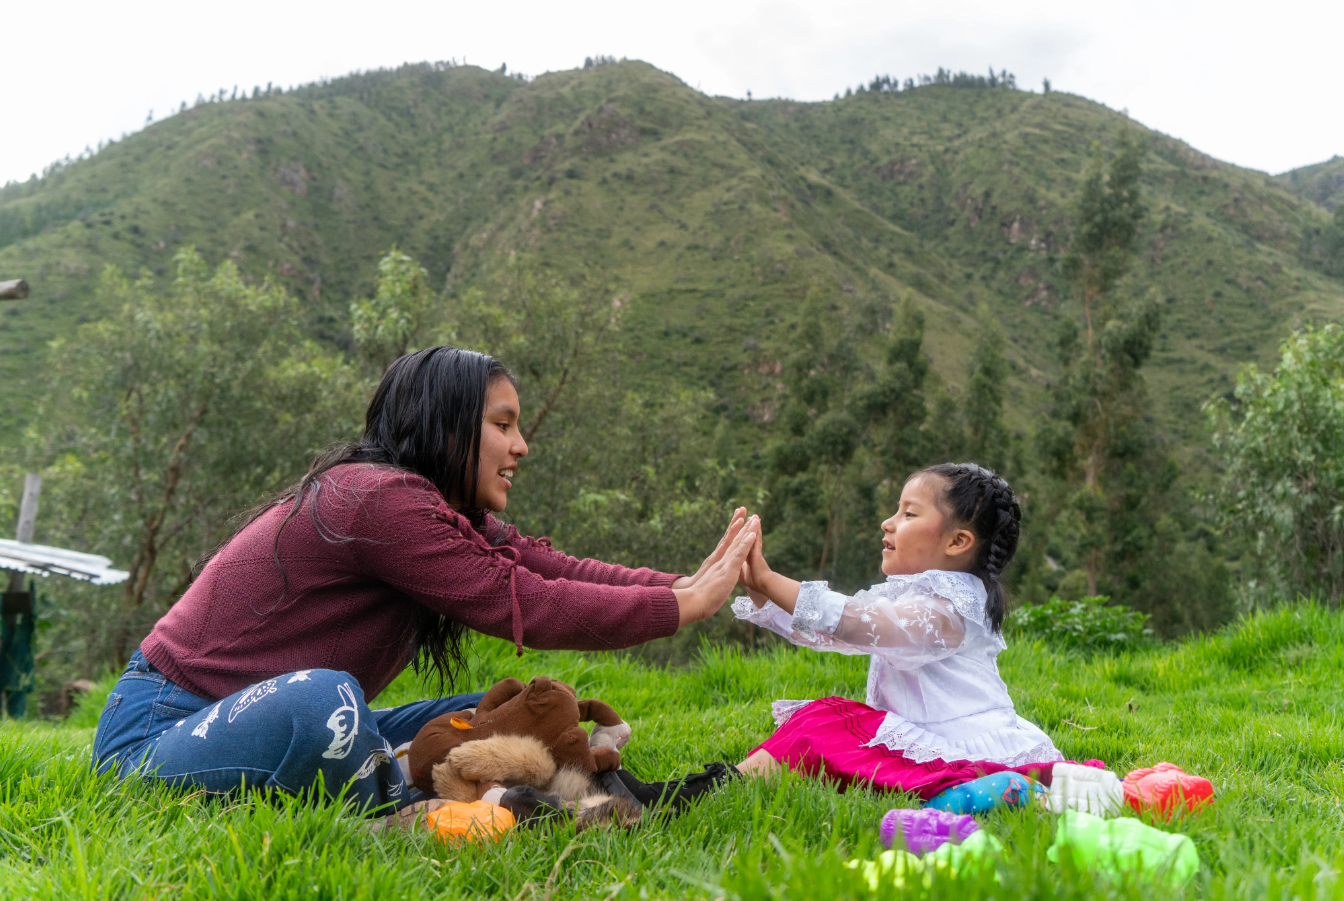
column 979, row 499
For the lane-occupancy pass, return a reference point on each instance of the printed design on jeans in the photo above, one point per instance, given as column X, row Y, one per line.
column 300, row 676
column 252, row 696
column 204, row 725
column 343, row 723
column 379, row 756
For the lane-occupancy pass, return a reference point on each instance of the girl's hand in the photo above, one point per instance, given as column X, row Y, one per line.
column 763, row 584
column 734, row 526
column 755, row 573
column 716, row 582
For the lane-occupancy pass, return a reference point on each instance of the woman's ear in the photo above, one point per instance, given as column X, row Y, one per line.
column 959, row 542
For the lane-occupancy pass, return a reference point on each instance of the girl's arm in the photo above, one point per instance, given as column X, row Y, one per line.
column 907, row 630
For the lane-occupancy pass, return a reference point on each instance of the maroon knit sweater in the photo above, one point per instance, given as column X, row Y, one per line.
column 383, row 543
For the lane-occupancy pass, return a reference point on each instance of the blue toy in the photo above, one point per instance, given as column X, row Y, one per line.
column 986, row 793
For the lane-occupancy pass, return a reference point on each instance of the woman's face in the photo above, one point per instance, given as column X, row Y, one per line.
column 502, row 446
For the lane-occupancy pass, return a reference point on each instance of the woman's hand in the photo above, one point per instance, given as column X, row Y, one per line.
column 734, row 526
column 717, row 579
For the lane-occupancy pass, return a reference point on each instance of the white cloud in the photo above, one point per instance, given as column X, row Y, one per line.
column 1248, row 83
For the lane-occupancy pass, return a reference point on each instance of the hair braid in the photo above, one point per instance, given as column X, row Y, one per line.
column 979, row 499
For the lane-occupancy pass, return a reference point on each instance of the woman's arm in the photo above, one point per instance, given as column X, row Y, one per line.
column 540, row 557
column 546, row 561
column 435, row 557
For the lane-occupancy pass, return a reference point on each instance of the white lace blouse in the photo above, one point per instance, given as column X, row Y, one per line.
column 933, row 669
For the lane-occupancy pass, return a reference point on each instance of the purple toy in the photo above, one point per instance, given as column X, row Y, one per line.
column 926, row 829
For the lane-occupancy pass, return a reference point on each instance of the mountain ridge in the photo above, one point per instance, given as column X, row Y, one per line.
column 716, row 216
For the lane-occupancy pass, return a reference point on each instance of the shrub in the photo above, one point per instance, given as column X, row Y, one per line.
column 1089, row 624
column 1283, row 482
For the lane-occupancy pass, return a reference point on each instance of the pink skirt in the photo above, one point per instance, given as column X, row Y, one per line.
column 827, row 738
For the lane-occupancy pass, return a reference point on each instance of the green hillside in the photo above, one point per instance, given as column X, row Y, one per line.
column 1322, row 183
column 716, row 215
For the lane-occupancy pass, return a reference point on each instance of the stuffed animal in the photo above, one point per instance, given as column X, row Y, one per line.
column 528, row 735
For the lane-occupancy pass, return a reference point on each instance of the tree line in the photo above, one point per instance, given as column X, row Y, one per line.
column 886, row 84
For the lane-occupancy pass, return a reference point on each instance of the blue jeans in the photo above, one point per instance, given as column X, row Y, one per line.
column 283, row 733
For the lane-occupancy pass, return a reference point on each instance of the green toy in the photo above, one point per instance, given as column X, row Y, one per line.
column 1124, row 845
column 976, row 852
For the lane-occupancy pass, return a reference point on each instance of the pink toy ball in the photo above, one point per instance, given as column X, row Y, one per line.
column 925, row 829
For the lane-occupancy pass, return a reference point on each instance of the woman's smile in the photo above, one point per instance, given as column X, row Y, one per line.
column 502, row 446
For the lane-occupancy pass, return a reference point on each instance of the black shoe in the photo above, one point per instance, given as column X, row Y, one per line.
column 531, row 807
column 677, row 793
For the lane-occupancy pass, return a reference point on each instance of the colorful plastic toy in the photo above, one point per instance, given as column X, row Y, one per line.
column 1165, row 788
column 472, row 821
column 1124, row 845
column 922, row 831
column 1076, row 786
column 896, row 866
column 986, row 793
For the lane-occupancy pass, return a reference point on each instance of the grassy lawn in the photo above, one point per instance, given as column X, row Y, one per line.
column 1255, row 708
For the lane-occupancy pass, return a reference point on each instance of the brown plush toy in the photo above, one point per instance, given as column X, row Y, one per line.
column 520, row 735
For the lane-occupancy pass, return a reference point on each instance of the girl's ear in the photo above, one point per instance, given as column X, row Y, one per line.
column 959, row 542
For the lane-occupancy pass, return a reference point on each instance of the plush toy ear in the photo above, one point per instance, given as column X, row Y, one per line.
column 432, row 744
column 500, row 692
column 600, row 712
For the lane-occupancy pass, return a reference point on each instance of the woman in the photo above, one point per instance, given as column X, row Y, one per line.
column 383, row 555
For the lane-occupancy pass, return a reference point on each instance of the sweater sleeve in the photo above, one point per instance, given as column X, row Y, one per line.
column 539, row 557
column 431, row 554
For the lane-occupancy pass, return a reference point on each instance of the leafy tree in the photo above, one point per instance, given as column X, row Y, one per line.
column 1100, row 395
column 552, row 331
column 385, row 325
column 176, row 412
column 1283, row 482
column 987, row 439
column 846, row 430
column 1119, row 521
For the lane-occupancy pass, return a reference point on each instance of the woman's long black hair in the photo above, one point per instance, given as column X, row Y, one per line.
column 979, row 499
column 425, row 418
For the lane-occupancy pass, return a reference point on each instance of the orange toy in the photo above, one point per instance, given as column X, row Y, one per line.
column 470, row 821
column 1165, row 788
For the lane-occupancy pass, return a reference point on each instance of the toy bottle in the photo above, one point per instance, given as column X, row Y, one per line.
column 1123, row 845
column 1165, row 788
column 986, row 793
column 897, row 867
column 1076, row 786
column 922, row 831
column 472, row 821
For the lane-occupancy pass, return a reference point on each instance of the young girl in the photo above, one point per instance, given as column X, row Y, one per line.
column 937, row 714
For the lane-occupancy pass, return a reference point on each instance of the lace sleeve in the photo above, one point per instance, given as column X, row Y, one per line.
column 907, row 626
column 781, row 623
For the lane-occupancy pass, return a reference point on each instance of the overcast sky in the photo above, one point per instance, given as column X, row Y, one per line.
column 1255, row 84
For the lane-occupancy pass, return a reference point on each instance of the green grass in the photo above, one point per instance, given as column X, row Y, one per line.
column 1255, row 708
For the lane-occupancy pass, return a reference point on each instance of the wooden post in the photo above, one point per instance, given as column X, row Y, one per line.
column 32, row 489
column 14, row 289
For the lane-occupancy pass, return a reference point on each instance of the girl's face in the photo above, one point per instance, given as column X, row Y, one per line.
column 502, row 446
column 917, row 538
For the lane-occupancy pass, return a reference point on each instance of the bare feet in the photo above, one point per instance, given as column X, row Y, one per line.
column 759, row 764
